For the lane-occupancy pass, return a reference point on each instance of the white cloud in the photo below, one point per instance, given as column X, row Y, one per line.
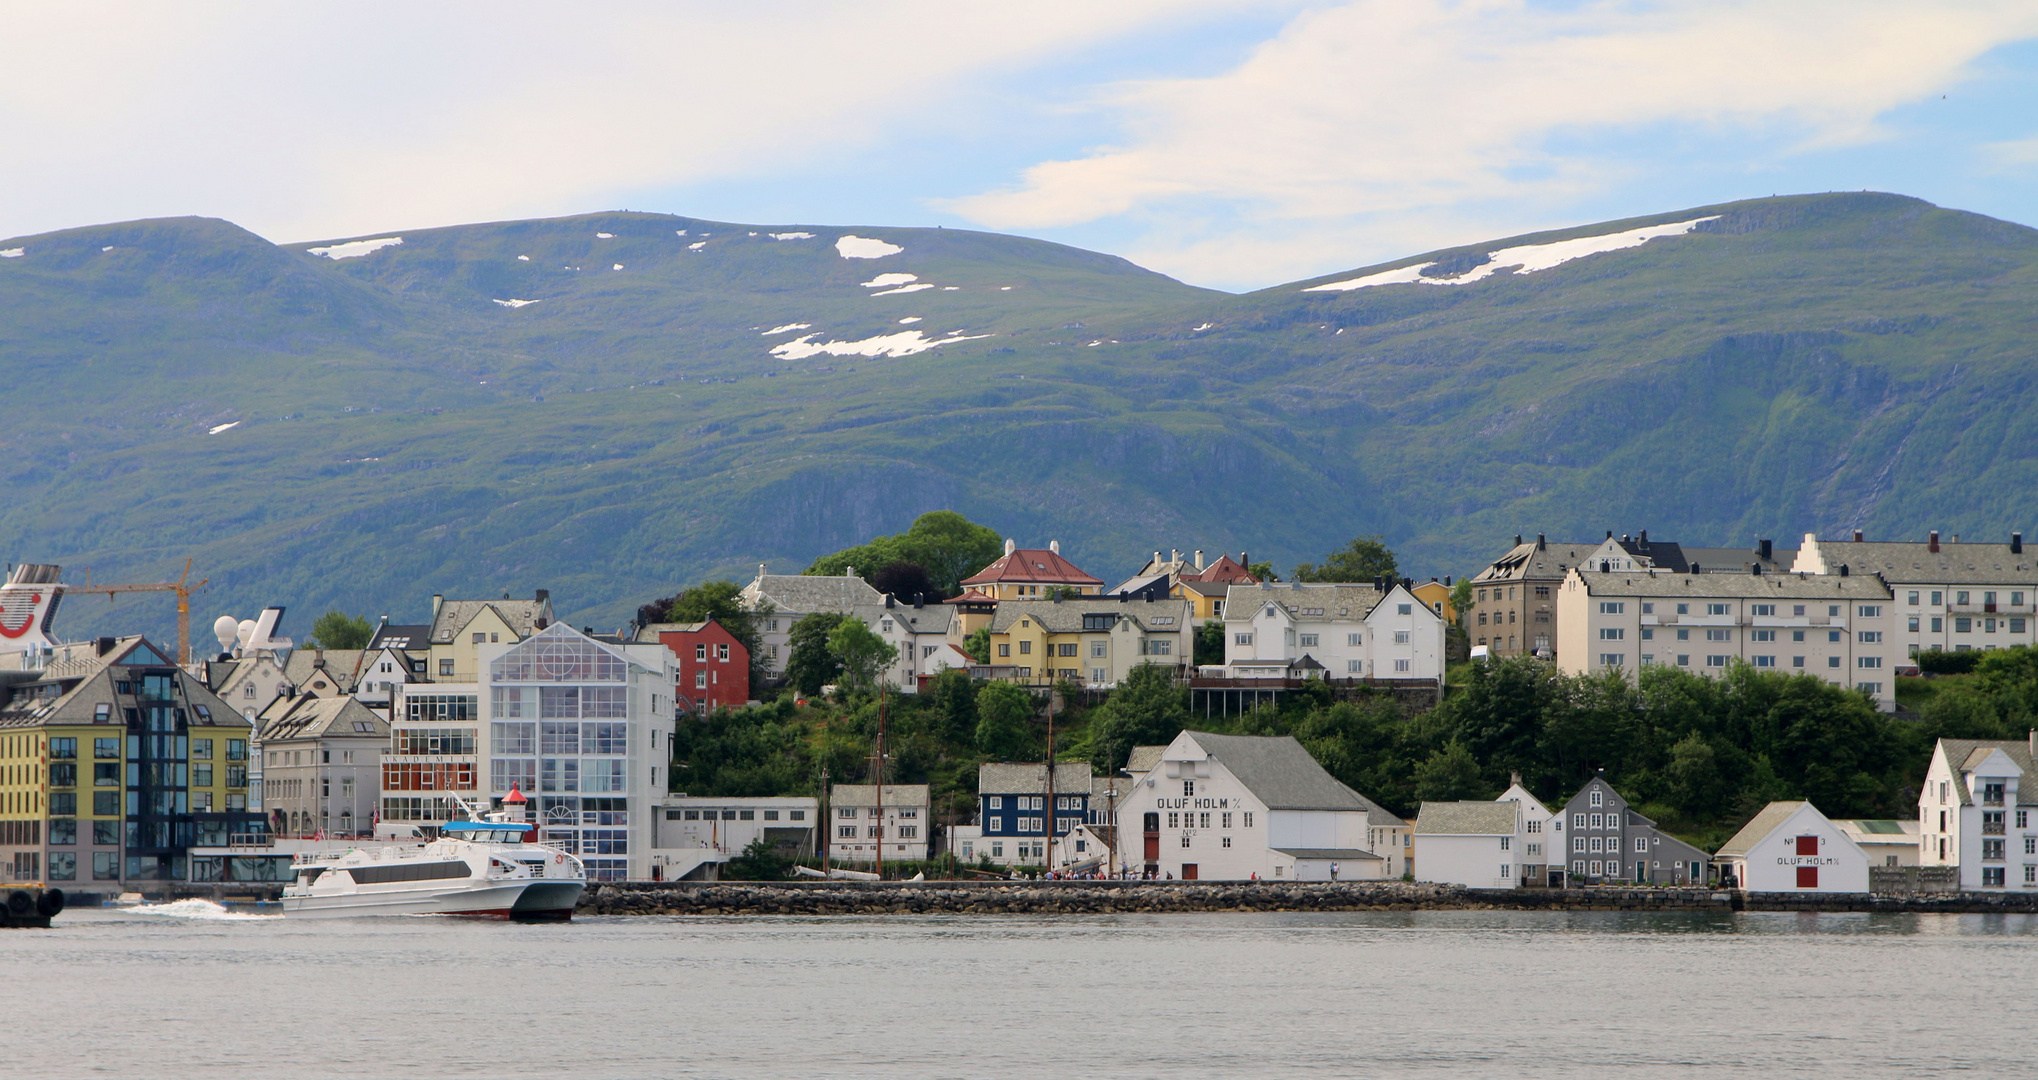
column 1422, row 110
column 382, row 115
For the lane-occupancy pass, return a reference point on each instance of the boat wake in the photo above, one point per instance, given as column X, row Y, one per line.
column 198, row 909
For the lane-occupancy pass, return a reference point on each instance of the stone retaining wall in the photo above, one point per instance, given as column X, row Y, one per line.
column 1118, row 897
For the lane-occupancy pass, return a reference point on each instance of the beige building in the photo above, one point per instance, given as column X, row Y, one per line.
column 322, row 765
column 1949, row 595
column 1514, row 608
column 1092, row 641
column 856, row 830
column 1839, row 628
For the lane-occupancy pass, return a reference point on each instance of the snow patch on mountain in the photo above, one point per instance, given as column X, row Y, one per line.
column 516, row 303
column 697, row 245
column 605, row 236
column 788, row 326
column 354, row 249
column 863, row 247
column 13, row 253
column 903, row 343
column 921, row 287
column 792, row 236
column 1525, row 259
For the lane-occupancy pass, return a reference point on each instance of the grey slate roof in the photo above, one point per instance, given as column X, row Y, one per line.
column 1279, row 772
column 1738, row 560
column 1143, row 759
column 1912, row 562
column 1529, row 561
column 1965, row 754
column 1466, row 819
column 1066, row 616
column 329, row 717
column 71, row 694
column 866, row 794
column 340, row 667
column 1766, row 821
column 407, row 636
column 1826, row 587
column 1339, row 601
column 931, row 619
column 1346, row 854
column 1030, row 778
column 521, row 616
column 800, row 594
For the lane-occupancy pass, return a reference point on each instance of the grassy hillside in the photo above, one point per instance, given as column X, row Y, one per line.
column 1813, row 362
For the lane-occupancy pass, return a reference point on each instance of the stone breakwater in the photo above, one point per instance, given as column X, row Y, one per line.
column 1144, row 897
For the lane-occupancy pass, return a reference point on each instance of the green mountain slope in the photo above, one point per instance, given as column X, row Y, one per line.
column 1813, row 362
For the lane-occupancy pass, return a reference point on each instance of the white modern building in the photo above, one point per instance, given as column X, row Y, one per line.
column 1976, row 813
column 858, row 827
column 1838, row 627
column 1237, row 807
column 693, row 835
column 1353, row 631
column 1791, row 847
column 1952, row 596
column 1480, row 845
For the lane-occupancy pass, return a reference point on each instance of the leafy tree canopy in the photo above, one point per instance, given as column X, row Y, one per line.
column 721, row 601
column 1366, row 558
column 810, row 664
column 1003, row 711
column 945, row 545
column 338, row 630
column 1146, row 709
column 860, row 651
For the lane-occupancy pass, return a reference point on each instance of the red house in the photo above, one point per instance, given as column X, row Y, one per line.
column 714, row 667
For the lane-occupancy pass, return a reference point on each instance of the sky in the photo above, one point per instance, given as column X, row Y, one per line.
column 1235, row 144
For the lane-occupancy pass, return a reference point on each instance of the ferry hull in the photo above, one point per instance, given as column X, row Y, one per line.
column 505, row 900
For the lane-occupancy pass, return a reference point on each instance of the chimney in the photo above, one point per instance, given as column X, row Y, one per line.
column 1010, row 547
column 104, row 645
column 1645, row 537
column 919, row 600
column 1199, row 559
column 1843, row 569
column 1767, row 548
column 438, row 601
column 1956, row 538
column 1054, row 546
column 2016, row 543
column 1540, row 542
column 1932, row 545
column 1517, row 539
column 760, row 571
column 1755, row 569
column 1244, row 561
column 1156, row 559
column 542, row 596
column 1174, row 555
column 1447, row 581
column 1857, row 536
column 1609, row 534
column 1514, row 779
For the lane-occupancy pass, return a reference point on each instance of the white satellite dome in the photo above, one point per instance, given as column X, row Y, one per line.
column 226, row 628
column 245, row 631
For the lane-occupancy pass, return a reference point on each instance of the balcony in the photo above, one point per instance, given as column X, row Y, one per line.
column 1992, row 828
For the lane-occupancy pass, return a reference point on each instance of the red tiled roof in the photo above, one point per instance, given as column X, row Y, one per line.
column 972, row 596
column 1032, row 565
column 1225, row 569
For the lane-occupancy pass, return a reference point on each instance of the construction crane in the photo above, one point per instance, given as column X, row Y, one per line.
column 179, row 586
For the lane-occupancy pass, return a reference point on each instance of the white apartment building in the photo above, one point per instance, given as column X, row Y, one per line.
column 858, row 827
column 1952, row 596
column 1542, row 834
column 1235, row 807
column 1839, row 627
column 584, row 729
column 1353, row 631
column 1976, row 813
column 1791, row 847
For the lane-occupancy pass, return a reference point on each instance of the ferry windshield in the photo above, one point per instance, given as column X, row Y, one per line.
column 486, row 835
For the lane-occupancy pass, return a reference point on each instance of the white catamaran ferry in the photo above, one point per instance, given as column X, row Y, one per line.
column 491, row 865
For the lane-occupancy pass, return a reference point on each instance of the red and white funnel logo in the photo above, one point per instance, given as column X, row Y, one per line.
column 26, row 604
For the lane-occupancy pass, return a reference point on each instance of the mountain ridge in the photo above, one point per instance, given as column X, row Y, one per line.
column 1819, row 361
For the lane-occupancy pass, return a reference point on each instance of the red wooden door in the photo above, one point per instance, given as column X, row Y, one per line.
column 1188, row 871
column 1807, row 877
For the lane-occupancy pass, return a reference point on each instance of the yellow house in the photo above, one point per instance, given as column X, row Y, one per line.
column 1438, row 597
column 1093, row 643
column 460, row 625
column 1032, row 574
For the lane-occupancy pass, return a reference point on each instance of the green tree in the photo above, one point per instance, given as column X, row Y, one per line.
column 1145, row 709
column 954, row 695
column 1264, row 571
column 947, row 545
column 759, row 861
column 1003, row 711
column 721, row 601
column 1209, row 644
column 1366, row 558
column 860, row 651
column 809, row 664
column 338, row 630
column 978, row 644
column 1449, row 774
column 1461, row 599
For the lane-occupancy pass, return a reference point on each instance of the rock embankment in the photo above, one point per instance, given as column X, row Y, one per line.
column 1014, row 898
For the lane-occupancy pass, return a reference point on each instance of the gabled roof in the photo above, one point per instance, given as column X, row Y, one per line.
column 1335, row 602
column 1143, row 759
column 1962, row 755
column 803, row 594
column 520, row 616
column 310, row 717
column 1769, row 819
column 1535, row 560
column 1226, row 570
column 1279, row 772
column 1713, row 560
column 972, row 596
column 1032, row 566
column 1913, row 562
column 73, row 696
column 340, row 666
column 1030, row 778
column 866, row 794
column 931, row 619
column 1466, row 818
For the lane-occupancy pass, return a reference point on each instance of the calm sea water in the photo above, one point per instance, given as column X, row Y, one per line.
column 186, row 992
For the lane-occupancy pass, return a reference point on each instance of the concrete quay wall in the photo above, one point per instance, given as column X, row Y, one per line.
column 1130, row 897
